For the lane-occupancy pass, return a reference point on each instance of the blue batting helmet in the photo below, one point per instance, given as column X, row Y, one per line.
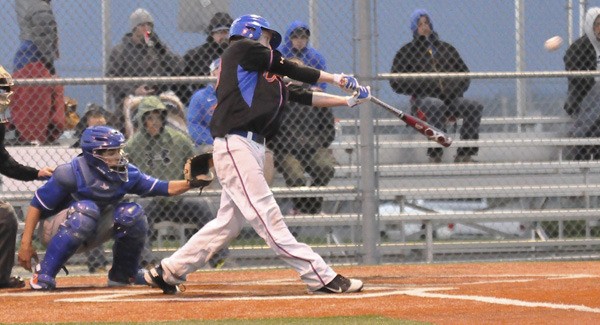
column 251, row 26
column 94, row 140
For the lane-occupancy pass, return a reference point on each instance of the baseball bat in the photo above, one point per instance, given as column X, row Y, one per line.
column 422, row 127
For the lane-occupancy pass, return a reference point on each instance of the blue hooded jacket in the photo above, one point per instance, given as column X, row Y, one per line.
column 199, row 114
column 414, row 19
column 309, row 55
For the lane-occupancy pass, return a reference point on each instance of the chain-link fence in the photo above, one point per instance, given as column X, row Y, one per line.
column 358, row 185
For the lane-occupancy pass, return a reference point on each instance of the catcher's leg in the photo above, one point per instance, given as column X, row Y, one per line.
column 80, row 224
column 130, row 231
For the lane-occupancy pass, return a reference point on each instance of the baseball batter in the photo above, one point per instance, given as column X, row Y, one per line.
column 251, row 96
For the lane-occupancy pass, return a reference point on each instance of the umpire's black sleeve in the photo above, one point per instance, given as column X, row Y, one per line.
column 10, row 167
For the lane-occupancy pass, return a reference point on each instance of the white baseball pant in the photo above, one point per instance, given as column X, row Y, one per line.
column 239, row 164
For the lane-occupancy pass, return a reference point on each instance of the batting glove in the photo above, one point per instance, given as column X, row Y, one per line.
column 361, row 95
column 347, row 83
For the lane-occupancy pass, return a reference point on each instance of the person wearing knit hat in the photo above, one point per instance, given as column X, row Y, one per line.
column 141, row 53
column 140, row 16
column 197, row 60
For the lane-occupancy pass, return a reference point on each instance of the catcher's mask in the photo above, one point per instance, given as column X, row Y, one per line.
column 103, row 150
column 6, row 84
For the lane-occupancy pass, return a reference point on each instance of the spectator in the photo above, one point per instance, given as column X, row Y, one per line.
column 197, row 60
column 161, row 151
column 200, row 111
column 82, row 206
column 11, row 168
column 35, row 59
column 175, row 112
column 584, row 92
column 140, row 54
column 94, row 116
column 296, row 45
column 437, row 99
column 301, row 146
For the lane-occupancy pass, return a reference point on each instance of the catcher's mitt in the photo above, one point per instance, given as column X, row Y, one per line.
column 197, row 170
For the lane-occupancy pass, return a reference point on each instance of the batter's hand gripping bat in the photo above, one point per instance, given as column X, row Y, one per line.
column 421, row 126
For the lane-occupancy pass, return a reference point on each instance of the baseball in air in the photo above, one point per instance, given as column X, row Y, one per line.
column 553, row 43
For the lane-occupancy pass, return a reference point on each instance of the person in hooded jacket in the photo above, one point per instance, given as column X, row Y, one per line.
column 584, row 92
column 436, row 99
column 38, row 49
column 197, row 60
column 141, row 53
column 296, row 44
column 302, row 146
column 161, row 151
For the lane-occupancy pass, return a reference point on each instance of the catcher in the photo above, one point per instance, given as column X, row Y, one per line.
column 82, row 206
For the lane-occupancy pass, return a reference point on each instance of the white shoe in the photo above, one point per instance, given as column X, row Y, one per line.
column 341, row 284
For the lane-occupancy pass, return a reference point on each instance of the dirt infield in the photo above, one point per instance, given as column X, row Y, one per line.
column 490, row 293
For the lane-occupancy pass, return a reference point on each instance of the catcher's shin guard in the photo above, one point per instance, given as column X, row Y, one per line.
column 130, row 229
column 79, row 225
column 41, row 281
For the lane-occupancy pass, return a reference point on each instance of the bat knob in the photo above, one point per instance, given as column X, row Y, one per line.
column 446, row 142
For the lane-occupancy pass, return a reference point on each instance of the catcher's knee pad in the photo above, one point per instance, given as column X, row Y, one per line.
column 130, row 220
column 82, row 218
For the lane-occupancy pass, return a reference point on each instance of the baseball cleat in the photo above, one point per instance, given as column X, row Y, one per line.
column 42, row 282
column 154, row 277
column 13, row 282
column 138, row 279
column 341, row 284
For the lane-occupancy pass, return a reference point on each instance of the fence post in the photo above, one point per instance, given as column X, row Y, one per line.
column 367, row 162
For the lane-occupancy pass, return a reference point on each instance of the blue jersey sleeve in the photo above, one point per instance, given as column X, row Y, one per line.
column 146, row 185
column 54, row 193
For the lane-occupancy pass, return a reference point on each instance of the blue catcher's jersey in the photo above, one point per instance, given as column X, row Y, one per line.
column 76, row 181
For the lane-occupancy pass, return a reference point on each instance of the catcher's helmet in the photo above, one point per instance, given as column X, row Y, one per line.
column 94, row 140
column 6, row 84
column 251, row 26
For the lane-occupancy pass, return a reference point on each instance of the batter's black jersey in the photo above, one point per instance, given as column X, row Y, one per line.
column 250, row 92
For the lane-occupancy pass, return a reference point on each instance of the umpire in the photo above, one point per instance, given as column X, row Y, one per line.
column 11, row 168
